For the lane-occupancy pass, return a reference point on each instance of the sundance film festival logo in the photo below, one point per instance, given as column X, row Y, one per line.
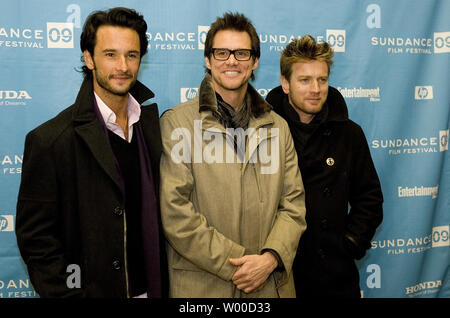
column 11, row 164
column 6, row 223
column 216, row 146
column 423, row 92
column 58, row 35
column 443, row 140
column 439, row 237
column 336, row 39
column 178, row 40
column 441, row 42
column 202, row 32
column 412, row 146
column 277, row 42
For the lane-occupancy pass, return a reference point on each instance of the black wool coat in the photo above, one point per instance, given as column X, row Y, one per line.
column 70, row 203
column 343, row 199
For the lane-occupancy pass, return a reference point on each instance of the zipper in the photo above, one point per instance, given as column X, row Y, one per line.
column 127, row 285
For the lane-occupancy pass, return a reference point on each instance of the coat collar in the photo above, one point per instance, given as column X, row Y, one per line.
column 337, row 108
column 208, row 106
column 89, row 128
column 84, row 104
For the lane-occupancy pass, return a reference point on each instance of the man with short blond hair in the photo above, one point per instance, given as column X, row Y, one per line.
column 337, row 171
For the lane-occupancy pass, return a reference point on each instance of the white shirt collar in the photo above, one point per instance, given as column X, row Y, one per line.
column 109, row 117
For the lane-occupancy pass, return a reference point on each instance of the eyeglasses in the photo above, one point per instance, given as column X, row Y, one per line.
column 239, row 54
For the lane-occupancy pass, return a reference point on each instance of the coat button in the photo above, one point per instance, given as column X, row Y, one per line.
column 327, row 192
column 321, row 253
column 324, row 224
column 116, row 265
column 327, row 132
column 119, row 211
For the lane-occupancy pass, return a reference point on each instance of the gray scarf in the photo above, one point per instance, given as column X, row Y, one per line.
column 230, row 118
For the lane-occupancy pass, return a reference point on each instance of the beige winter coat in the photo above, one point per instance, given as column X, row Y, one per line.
column 218, row 204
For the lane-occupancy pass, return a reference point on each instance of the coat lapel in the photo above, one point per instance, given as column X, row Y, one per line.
column 94, row 136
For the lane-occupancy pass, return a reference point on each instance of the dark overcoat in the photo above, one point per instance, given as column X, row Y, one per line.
column 70, row 203
column 343, row 200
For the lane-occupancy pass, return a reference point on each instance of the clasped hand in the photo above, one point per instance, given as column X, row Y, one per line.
column 253, row 271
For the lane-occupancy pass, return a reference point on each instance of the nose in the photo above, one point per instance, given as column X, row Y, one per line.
column 315, row 86
column 232, row 60
column 122, row 64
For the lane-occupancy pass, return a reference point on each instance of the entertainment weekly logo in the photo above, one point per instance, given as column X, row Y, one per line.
column 372, row 94
column 56, row 35
column 214, row 146
column 418, row 191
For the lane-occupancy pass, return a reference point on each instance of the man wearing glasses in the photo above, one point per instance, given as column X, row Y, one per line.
column 232, row 199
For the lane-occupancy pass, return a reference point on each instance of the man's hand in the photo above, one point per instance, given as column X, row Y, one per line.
column 253, row 271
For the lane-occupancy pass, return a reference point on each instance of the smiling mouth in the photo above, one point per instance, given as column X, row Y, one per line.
column 231, row 73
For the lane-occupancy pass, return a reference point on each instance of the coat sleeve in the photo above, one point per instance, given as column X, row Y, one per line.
column 290, row 221
column 37, row 225
column 187, row 230
column 366, row 198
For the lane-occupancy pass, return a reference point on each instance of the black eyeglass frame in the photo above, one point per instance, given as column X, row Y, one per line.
column 252, row 53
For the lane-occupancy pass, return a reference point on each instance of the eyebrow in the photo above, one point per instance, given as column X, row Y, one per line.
column 114, row 50
column 309, row 76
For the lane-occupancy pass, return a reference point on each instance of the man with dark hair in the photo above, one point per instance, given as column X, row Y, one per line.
column 88, row 210
column 337, row 171
column 232, row 201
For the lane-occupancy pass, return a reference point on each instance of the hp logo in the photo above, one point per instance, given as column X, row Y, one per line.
column 6, row 223
column 423, row 92
column 188, row 93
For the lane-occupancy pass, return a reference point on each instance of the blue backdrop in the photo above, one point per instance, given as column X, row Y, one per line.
column 391, row 65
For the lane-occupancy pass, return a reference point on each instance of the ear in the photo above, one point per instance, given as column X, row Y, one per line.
column 207, row 63
column 284, row 84
column 88, row 60
column 255, row 64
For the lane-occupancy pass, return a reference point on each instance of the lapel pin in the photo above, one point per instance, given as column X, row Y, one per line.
column 330, row 162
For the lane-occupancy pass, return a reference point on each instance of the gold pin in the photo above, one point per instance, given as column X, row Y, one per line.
column 330, row 161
